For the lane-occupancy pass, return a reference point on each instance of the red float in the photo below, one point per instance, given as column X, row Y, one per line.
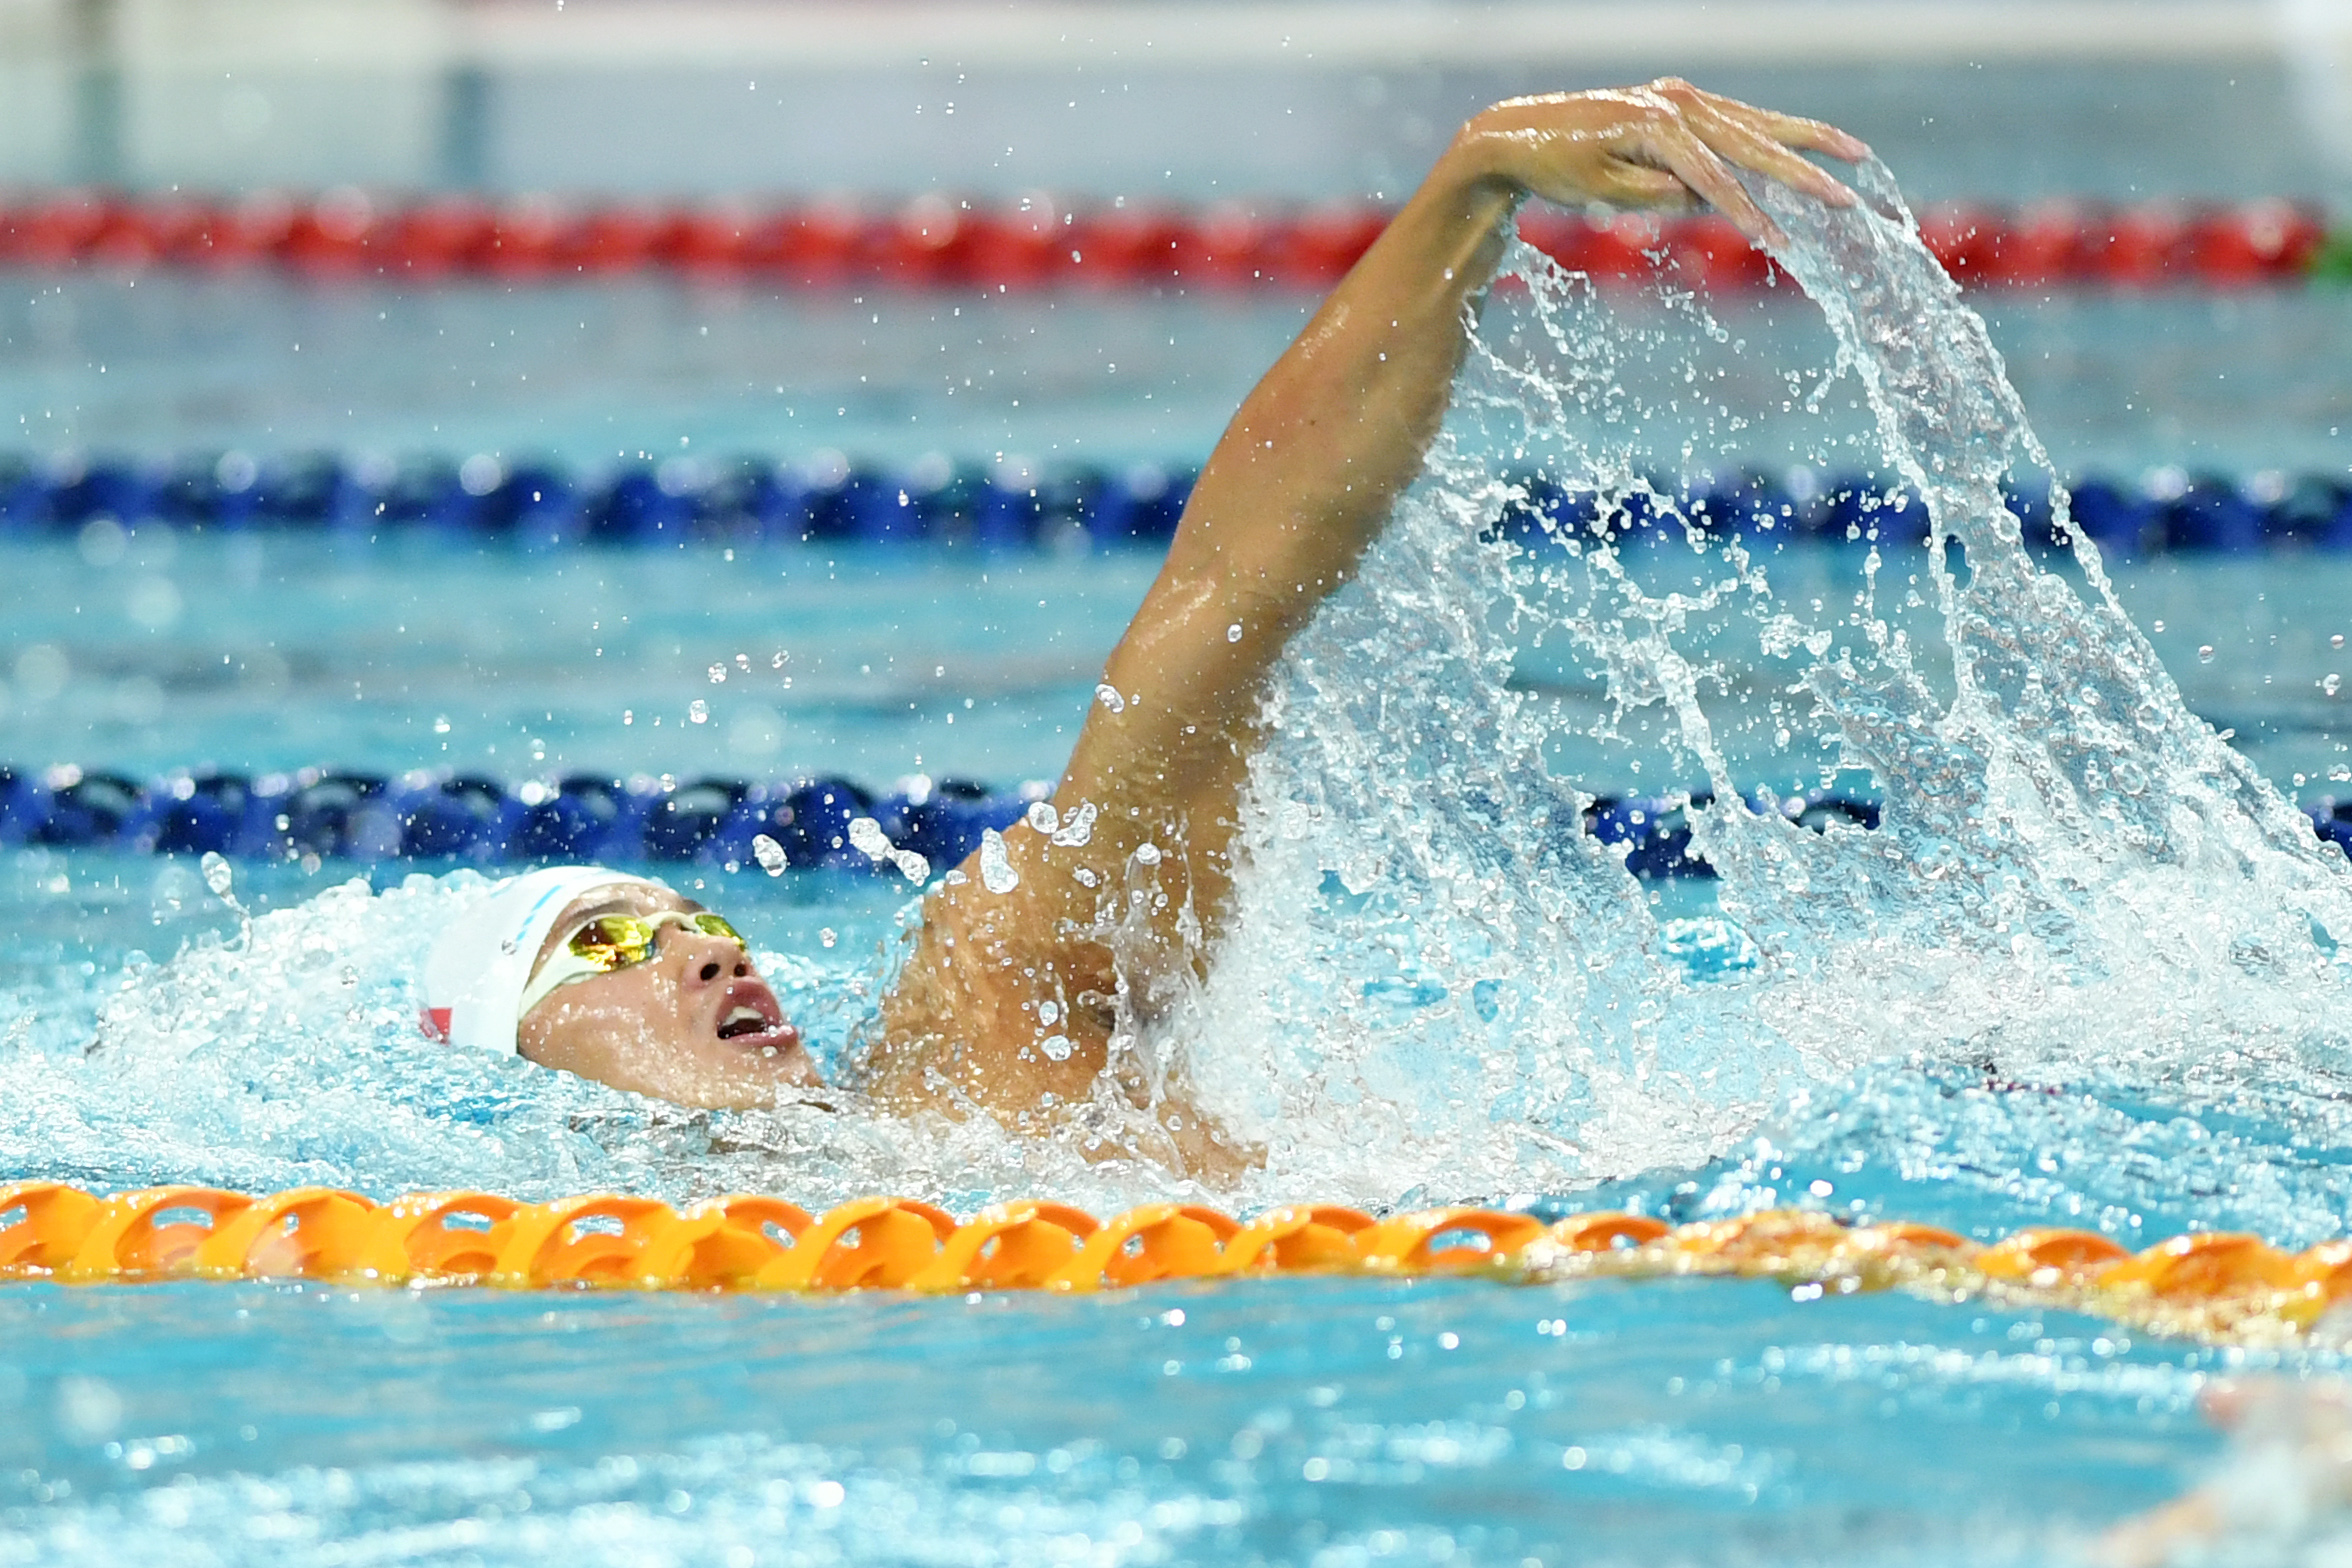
column 1121, row 247
column 2041, row 247
column 609, row 240
column 1962, row 239
column 526, row 239
column 1315, row 248
column 334, row 235
column 938, row 242
column 438, row 238
column 817, row 246
column 1225, row 247
column 714, row 241
column 2258, row 243
column 55, row 232
column 1711, row 253
column 2138, row 247
column 1022, row 247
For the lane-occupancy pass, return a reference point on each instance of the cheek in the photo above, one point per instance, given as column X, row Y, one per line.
column 598, row 1023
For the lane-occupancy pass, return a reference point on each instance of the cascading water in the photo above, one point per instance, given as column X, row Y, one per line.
column 2075, row 877
column 1437, row 984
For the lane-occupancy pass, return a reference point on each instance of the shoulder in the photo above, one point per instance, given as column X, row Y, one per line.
column 994, row 1007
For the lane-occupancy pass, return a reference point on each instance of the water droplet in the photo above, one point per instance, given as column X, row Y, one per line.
column 769, row 854
column 1108, row 695
column 441, row 724
column 1056, row 1047
column 218, row 874
column 2205, row 653
column 699, row 711
column 867, row 837
column 2333, row 684
column 827, row 936
column 1078, row 827
column 1233, row 632
column 1049, row 1012
column 915, row 868
column 718, row 675
column 1147, row 854
column 1043, row 818
column 996, row 869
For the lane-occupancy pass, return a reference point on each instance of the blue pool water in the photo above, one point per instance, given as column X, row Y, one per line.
column 1307, row 1421
column 2085, row 974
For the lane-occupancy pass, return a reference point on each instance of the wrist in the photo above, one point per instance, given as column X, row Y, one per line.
column 1472, row 188
column 1481, row 163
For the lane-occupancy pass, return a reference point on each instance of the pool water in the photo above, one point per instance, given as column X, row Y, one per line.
column 2090, row 970
column 1324, row 1421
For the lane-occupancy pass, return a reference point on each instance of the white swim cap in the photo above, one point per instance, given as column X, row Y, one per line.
column 475, row 975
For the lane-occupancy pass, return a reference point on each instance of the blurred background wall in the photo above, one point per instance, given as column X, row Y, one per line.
column 1979, row 98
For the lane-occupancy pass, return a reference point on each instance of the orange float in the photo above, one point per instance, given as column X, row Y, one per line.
column 1605, row 1231
column 1008, row 1246
column 450, row 1237
column 306, row 1233
column 154, row 1233
column 865, row 1244
column 2046, row 1257
column 1158, row 1241
column 721, row 1244
column 1444, row 1241
column 1761, row 1242
column 591, row 1240
column 52, row 1220
column 1296, row 1239
column 2201, row 1265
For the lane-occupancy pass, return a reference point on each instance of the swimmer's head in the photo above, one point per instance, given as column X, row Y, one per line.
column 615, row 978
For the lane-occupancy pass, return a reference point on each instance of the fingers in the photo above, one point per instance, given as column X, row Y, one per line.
column 1677, row 145
column 1649, row 189
column 1748, row 148
column 1813, row 136
column 1761, row 140
column 1790, row 130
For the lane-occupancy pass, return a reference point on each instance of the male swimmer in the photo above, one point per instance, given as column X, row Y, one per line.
column 1006, row 1001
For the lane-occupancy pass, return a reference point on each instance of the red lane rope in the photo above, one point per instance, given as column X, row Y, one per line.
column 936, row 243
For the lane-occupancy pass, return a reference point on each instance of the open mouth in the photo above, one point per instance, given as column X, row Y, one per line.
column 743, row 1021
column 751, row 1017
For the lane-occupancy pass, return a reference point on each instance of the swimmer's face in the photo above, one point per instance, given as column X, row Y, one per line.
column 694, row 1023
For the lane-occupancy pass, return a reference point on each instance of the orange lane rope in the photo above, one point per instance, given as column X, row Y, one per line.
column 2211, row 1284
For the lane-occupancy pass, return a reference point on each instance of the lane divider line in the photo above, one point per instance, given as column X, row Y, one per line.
column 936, row 242
column 2206, row 1284
column 1064, row 508
column 918, row 827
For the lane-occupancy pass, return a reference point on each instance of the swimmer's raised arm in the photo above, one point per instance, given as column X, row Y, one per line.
column 1301, row 483
column 1308, row 472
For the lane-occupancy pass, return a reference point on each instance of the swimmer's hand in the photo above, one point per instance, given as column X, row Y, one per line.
column 1664, row 146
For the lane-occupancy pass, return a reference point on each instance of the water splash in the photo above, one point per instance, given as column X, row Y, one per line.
column 2076, row 878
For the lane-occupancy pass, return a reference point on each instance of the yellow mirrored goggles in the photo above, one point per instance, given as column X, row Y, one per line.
column 606, row 944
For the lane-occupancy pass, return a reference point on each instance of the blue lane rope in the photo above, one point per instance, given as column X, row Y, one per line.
column 939, row 502
column 467, row 819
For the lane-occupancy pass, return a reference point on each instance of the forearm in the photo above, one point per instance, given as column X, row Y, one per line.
column 1310, row 468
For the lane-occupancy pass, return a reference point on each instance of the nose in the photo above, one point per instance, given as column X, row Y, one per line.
column 710, row 958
